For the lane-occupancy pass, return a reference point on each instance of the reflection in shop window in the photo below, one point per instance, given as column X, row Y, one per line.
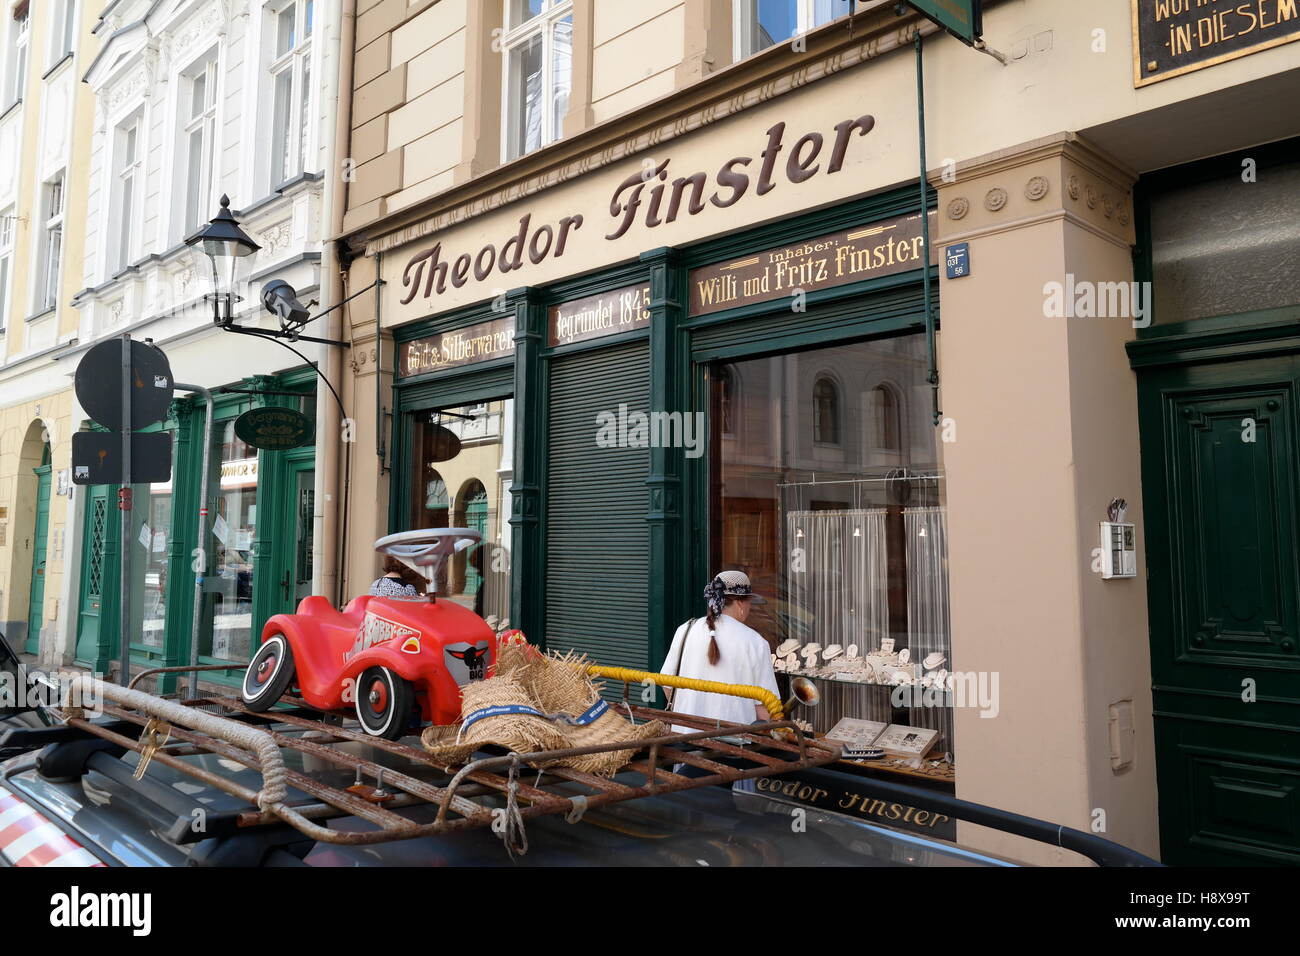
column 461, row 479
column 850, row 556
column 884, row 417
column 538, row 49
column 153, row 538
column 229, row 608
column 726, row 376
column 826, row 412
column 759, row 24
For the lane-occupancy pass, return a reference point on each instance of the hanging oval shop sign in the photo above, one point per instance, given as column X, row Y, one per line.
column 440, row 443
column 274, row 429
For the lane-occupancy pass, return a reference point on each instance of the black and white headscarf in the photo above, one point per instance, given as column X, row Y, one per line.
column 716, row 593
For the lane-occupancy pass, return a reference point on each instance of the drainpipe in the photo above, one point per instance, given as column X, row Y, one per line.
column 329, row 429
column 199, row 573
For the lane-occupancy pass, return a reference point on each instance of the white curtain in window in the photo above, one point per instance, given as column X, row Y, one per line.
column 838, row 576
column 927, row 581
column 926, row 530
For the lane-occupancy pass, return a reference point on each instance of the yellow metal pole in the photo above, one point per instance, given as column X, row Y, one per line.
column 759, row 694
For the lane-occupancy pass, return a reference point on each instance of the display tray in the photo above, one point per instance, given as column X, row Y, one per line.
column 943, row 774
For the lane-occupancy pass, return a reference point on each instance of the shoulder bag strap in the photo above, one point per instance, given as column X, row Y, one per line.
column 686, row 634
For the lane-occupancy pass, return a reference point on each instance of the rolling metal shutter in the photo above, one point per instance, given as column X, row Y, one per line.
column 597, row 541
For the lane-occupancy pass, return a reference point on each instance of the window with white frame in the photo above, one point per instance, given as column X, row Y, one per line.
column 538, row 48
column 292, row 26
column 198, row 141
column 127, row 178
column 760, row 24
column 8, row 220
column 63, row 29
column 19, row 35
column 51, row 247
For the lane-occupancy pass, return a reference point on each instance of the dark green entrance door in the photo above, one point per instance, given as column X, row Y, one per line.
column 36, row 594
column 95, row 571
column 289, row 557
column 1221, row 481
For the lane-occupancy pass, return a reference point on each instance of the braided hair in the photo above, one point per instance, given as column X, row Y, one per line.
column 716, row 600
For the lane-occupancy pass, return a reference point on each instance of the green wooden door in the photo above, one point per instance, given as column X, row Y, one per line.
column 476, row 517
column 1221, row 482
column 94, row 576
column 286, row 561
column 36, row 594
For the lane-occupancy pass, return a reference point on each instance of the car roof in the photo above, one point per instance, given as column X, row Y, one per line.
column 708, row 826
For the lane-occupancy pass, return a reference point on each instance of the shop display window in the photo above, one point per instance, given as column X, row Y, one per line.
column 153, row 539
column 828, row 491
column 461, row 479
column 232, row 531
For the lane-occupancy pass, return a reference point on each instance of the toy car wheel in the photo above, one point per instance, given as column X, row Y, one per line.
column 384, row 703
column 269, row 674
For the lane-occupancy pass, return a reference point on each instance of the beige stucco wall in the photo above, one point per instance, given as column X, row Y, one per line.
column 23, row 427
column 1043, row 411
column 36, row 400
column 636, row 49
column 1070, row 67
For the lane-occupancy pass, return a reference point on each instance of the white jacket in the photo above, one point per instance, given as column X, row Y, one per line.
column 744, row 658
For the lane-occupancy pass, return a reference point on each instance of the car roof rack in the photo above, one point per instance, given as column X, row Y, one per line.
column 463, row 795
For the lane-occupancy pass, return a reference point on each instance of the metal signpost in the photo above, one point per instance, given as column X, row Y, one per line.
column 124, row 386
column 964, row 19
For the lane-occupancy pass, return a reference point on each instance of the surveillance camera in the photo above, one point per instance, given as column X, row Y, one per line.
column 279, row 298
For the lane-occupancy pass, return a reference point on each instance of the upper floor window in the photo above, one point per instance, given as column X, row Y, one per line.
column 538, row 48
column 126, row 188
column 8, row 219
column 760, row 24
column 47, row 288
column 290, row 70
column 63, row 29
column 198, row 140
column 19, row 35
column 826, row 412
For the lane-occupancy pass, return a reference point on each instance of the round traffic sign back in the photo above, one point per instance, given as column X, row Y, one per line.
column 98, row 384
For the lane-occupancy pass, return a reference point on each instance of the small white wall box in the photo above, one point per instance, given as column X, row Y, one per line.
column 1118, row 550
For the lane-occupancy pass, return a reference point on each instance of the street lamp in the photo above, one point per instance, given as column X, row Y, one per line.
column 224, row 243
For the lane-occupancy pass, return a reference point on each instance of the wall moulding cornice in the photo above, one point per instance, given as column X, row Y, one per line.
column 1056, row 214
column 1033, row 183
column 869, row 34
column 1070, row 145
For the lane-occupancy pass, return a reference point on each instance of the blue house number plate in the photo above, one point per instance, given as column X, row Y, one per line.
column 958, row 258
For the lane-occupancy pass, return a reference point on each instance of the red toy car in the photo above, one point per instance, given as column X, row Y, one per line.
column 386, row 656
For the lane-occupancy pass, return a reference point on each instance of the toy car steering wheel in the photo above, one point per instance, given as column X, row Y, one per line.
column 425, row 549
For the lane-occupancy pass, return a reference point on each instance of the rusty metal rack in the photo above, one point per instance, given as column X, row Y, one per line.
column 465, row 796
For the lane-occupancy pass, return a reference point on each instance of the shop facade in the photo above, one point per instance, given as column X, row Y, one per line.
column 45, row 116
column 181, row 92
column 691, row 335
column 258, row 538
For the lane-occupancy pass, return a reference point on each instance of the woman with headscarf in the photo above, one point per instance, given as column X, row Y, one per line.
column 720, row 647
